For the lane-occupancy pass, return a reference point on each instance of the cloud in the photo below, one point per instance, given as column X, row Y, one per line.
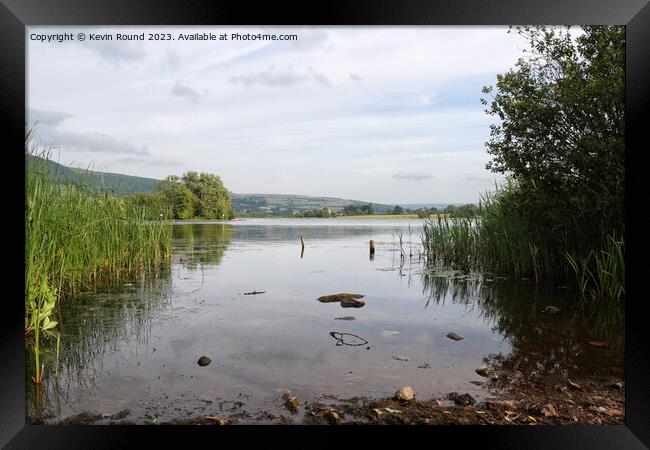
column 412, row 176
column 117, row 52
column 172, row 59
column 356, row 77
column 147, row 161
column 46, row 118
column 93, row 142
column 286, row 76
column 185, row 91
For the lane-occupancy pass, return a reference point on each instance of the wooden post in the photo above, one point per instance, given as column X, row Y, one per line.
column 372, row 247
column 302, row 242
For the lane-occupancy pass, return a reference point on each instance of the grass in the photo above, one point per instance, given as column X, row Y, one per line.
column 75, row 238
column 505, row 241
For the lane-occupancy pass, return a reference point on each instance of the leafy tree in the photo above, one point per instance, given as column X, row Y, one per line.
column 468, row 210
column 398, row 210
column 212, row 198
column 179, row 198
column 561, row 129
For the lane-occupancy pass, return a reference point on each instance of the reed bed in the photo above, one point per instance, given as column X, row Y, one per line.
column 503, row 241
column 77, row 237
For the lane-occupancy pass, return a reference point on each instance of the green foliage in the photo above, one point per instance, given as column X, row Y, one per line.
column 75, row 237
column 358, row 210
column 425, row 213
column 468, row 210
column 397, row 210
column 560, row 140
column 191, row 196
column 561, row 130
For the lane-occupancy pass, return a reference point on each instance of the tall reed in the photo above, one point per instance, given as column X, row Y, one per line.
column 76, row 237
column 505, row 240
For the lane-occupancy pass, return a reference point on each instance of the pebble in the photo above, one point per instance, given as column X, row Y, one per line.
column 483, row 371
column 405, row 394
column 455, row 337
column 204, row 361
column 333, row 417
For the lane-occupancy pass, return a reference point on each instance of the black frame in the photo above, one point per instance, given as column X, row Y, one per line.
column 635, row 14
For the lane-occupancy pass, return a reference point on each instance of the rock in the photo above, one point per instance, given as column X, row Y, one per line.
column 477, row 382
column 352, row 303
column 333, row 417
column 618, row 385
column 463, row 400
column 339, row 297
column 254, row 293
column 291, row 402
column 551, row 310
column 483, row 370
column 399, row 358
column 405, row 394
column 455, row 337
column 204, row 361
column 345, row 318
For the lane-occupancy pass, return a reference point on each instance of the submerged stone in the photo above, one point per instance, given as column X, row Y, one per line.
column 339, row 297
column 347, row 300
column 551, row 309
column 455, row 336
column 204, row 361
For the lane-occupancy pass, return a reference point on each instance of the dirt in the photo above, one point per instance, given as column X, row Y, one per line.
column 520, row 394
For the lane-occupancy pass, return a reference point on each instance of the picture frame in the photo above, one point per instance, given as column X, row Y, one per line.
column 15, row 15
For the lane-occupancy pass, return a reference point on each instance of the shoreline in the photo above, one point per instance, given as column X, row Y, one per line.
column 515, row 399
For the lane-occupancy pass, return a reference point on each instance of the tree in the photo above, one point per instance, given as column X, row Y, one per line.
column 398, row 210
column 212, row 198
column 179, row 198
column 561, row 130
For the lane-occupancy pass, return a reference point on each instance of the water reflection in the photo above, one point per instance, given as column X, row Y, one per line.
column 94, row 326
column 575, row 342
column 135, row 345
column 195, row 245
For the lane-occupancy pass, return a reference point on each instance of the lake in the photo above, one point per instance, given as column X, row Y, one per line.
column 134, row 345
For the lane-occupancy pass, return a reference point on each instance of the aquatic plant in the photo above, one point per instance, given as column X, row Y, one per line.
column 509, row 239
column 75, row 238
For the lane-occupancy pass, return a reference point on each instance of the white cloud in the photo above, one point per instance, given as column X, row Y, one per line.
column 182, row 90
column 412, row 176
column 343, row 111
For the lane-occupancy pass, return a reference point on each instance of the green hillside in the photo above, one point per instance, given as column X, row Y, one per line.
column 248, row 204
column 120, row 184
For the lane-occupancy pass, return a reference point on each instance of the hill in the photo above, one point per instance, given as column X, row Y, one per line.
column 119, row 183
column 255, row 204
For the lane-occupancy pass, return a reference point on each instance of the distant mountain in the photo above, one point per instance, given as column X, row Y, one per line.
column 249, row 203
column 120, row 184
column 286, row 203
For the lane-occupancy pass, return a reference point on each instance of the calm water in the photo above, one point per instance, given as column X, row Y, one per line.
column 136, row 346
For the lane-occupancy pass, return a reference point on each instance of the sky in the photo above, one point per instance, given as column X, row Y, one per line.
column 382, row 114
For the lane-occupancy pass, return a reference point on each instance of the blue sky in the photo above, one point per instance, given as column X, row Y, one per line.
column 383, row 114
